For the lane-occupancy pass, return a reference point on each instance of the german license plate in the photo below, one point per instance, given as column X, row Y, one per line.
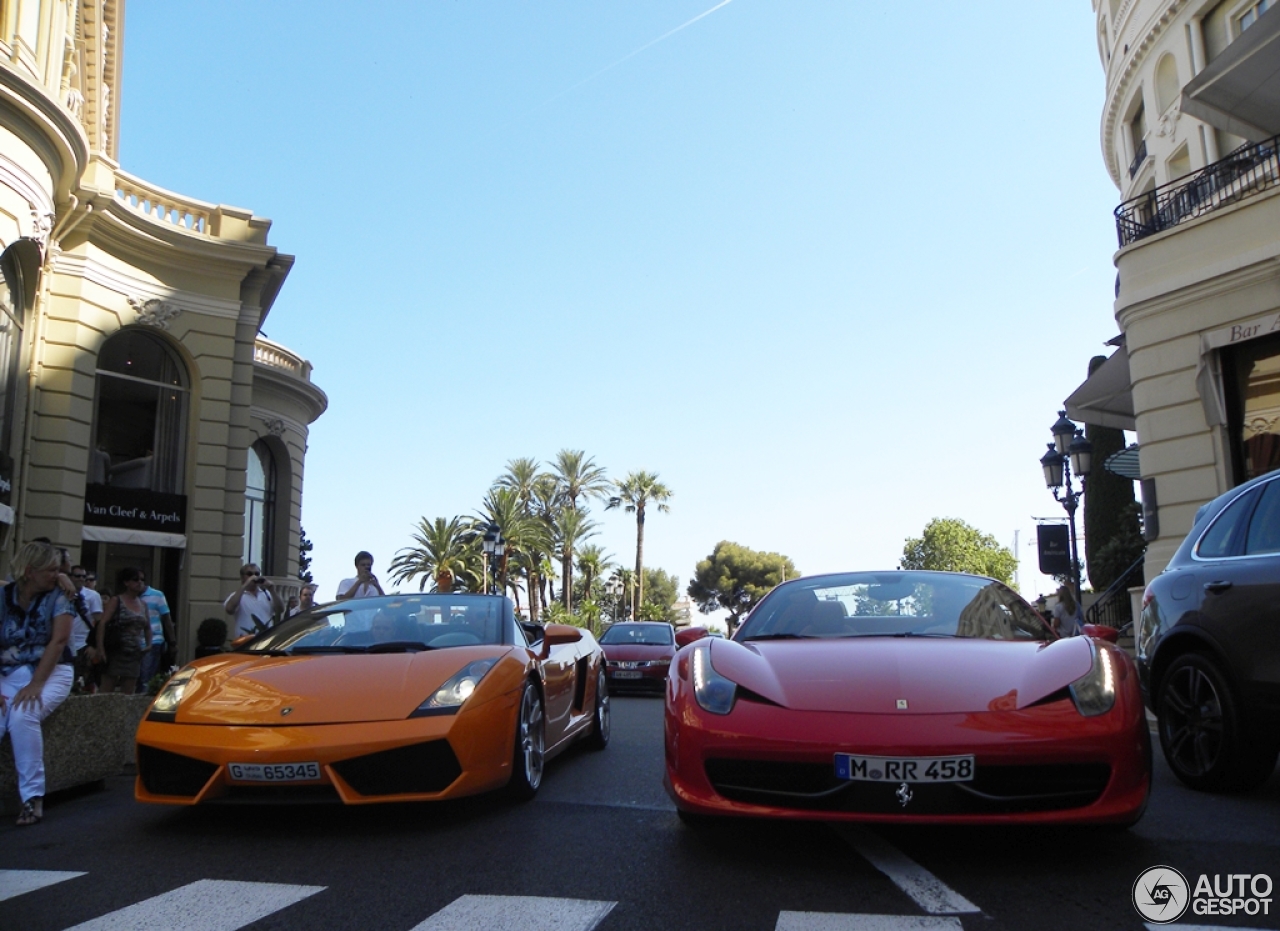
column 627, row 674
column 904, row 769
column 274, row 772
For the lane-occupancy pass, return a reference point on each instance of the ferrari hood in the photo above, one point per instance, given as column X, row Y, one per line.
column 244, row 689
column 876, row 674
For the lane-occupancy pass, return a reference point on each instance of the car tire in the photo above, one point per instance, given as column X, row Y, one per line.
column 600, row 732
column 1203, row 731
column 528, row 759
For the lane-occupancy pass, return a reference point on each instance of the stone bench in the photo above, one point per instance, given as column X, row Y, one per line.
column 87, row 739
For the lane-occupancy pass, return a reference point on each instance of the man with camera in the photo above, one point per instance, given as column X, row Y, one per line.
column 251, row 604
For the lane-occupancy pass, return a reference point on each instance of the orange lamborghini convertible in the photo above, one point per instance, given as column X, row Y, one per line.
column 391, row 699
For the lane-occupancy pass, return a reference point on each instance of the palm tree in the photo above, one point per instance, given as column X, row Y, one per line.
column 502, row 506
column 578, row 476
column 634, row 494
column 520, row 477
column 592, row 565
column 444, row 555
column 568, row 528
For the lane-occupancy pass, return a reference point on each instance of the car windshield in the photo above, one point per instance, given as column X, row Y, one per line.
column 656, row 635
column 389, row 624
column 895, row 604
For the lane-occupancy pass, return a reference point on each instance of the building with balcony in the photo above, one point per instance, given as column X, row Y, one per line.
column 1189, row 136
column 144, row 419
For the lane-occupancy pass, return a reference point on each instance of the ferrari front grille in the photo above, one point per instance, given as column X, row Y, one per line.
column 165, row 773
column 415, row 769
column 994, row 789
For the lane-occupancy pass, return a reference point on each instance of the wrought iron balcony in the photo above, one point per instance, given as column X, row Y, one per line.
column 1138, row 158
column 1249, row 169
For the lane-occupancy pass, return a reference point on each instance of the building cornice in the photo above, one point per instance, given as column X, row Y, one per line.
column 47, row 128
column 1118, row 91
column 141, row 289
column 314, row 400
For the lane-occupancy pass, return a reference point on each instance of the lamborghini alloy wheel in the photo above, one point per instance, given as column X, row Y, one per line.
column 531, row 726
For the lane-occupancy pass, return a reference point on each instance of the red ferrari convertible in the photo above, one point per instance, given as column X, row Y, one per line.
column 926, row 697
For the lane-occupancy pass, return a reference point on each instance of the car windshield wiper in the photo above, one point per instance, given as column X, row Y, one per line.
column 323, row 648
column 919, row 633
column 398, row 646
column 264, row 652
column 778, row 637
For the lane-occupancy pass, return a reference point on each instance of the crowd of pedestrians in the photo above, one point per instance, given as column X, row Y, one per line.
column 57, row 632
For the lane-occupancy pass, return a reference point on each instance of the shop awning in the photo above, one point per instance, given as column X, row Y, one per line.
column 1106, row 397
column 1239, row 91
column 139, row 537
column 1124, row 463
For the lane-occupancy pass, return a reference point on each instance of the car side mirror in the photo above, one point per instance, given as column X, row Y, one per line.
column 1101, row 632
column 558, row 635
column 689, row 635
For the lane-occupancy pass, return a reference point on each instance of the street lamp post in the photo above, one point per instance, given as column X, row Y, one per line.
column 1069, row 452
column 614, row 587
column 492, row 545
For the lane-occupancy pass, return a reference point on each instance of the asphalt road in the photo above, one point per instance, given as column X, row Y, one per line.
column 601, row 847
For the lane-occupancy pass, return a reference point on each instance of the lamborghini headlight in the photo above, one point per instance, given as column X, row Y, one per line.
column 1095, row 692
column 165, row 707
column 713, row 691
column 449, row 697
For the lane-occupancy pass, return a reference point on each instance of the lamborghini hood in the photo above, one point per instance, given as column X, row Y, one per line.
column 878, row 674
column 244, row 689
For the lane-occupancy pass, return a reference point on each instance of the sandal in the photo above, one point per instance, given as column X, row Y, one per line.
column 27, row 815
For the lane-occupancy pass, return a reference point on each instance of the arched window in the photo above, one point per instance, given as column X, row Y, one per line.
column 140, row 420
column 1167, row 88
column 259, row 507
column 13, row 309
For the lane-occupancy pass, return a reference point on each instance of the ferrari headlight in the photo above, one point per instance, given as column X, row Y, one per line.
column 1095, row 692
column 449, row 697
column 714, row 692
column 165, row 707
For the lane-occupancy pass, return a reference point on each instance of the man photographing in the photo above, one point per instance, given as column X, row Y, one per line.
column 365, row 584
column 251, row 604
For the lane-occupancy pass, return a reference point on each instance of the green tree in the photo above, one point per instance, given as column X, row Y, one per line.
column 444, row 553
column 660, row 593
column 951, row 545
column 1112, row 530
column 634, row 494
column 734, row 578
column 305, row 547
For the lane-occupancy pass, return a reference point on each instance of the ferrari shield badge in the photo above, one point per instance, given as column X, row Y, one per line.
column 904, row 794
column 902, row 704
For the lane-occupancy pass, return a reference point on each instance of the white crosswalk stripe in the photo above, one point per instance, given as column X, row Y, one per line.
column 838, row 921
column 206, row 905
column 17, row 882
column 526, row 912
column 221, row 905
column 927, row 890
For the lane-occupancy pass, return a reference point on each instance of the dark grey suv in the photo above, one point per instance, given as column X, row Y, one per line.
column 1208, row 642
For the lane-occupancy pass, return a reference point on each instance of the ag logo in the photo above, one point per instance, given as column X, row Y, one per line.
column 1161, row 894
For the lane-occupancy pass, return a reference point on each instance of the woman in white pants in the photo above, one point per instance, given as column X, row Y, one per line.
column 35, row 665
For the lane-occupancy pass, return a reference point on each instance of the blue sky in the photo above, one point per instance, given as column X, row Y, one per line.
column 828, row 268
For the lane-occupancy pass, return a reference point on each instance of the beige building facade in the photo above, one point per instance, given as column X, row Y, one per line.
column 144, row 418
column 1189, row 129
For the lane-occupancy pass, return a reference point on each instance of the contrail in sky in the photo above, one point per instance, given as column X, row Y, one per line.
column 665, row 35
